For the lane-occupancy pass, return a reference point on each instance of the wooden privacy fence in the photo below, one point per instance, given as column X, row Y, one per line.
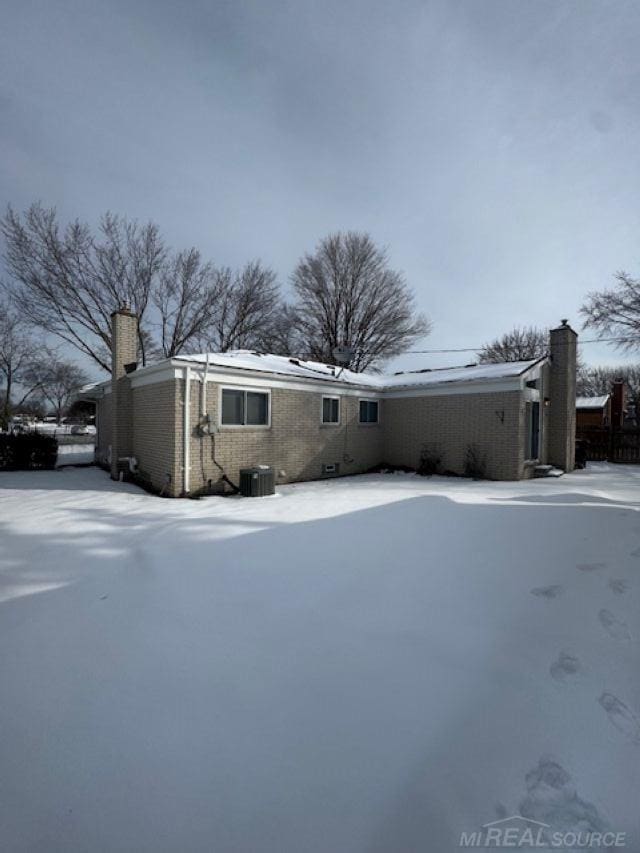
column 603, row 444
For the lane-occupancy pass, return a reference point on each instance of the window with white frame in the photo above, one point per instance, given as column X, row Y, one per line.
column 244, row 408
column 331, row 410
column 368, row 411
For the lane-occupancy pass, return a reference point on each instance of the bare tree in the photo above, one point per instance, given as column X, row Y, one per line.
column 281, row 336
column 56, row 380
column 597, row 381
column 33, row 407
column 246, row 306
column 17, row 350
column 187, row 298
column 616, row 312
column 346, row 294
column 520, row 344
column 70, row 281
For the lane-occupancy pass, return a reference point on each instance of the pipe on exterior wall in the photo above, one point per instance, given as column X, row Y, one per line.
column 186, row 429
column 132, row 463
column 203, row 397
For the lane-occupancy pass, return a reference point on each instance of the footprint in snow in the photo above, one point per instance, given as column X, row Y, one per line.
column 552, row 799
column 618, row 585
column 621, row 716
column 548, row 592
column 635, row 553
column 565, row 666
column 616, row 628
column 590, row 567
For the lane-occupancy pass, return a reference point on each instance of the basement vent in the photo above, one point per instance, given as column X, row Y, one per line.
column 331, row 468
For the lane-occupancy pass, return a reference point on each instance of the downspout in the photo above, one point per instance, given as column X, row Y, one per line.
column 186, row 430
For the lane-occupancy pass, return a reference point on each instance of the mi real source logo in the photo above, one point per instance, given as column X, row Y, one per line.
column 522, row 833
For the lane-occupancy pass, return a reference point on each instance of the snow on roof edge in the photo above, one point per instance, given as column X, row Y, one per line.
column 592, row 402
column 247, row 360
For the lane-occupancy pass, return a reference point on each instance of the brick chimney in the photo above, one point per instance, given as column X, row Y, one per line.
column 618, row 403
column 124, row 349
column 561, row 417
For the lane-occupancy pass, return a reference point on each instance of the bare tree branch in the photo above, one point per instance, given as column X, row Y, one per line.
column 347, row 294
column 520, row 344
column 616, row 312
column 246, row 307
column 70, row 281
column 187, row 298
column 281, row 336
column 597, row 381
column 16, row 357
column 56, row 380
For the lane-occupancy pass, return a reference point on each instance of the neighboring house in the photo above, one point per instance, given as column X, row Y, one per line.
column 188, row 422
column 593, row 411
column 608, row 410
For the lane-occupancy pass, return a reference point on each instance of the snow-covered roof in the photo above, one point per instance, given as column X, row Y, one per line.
column 84, row 389
column 296, row 369
column 283, row 365
column 592, row 402
column 467, row 373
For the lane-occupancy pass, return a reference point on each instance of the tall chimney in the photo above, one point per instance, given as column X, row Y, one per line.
column 561, row 420
column 124, row 349
column 618, row 403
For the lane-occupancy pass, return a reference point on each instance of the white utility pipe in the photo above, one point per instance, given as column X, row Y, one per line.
column 186, row 427
column 203, row 398
column 132, row 463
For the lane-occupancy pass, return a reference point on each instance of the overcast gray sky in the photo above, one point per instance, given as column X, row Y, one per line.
column 491, row 145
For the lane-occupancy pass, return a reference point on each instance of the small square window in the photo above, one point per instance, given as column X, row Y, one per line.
column 330, row 410
column 368, row 411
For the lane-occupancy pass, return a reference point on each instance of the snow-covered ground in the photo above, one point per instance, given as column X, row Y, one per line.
column 75, row 454
column 371, row 664
column 55, row 429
